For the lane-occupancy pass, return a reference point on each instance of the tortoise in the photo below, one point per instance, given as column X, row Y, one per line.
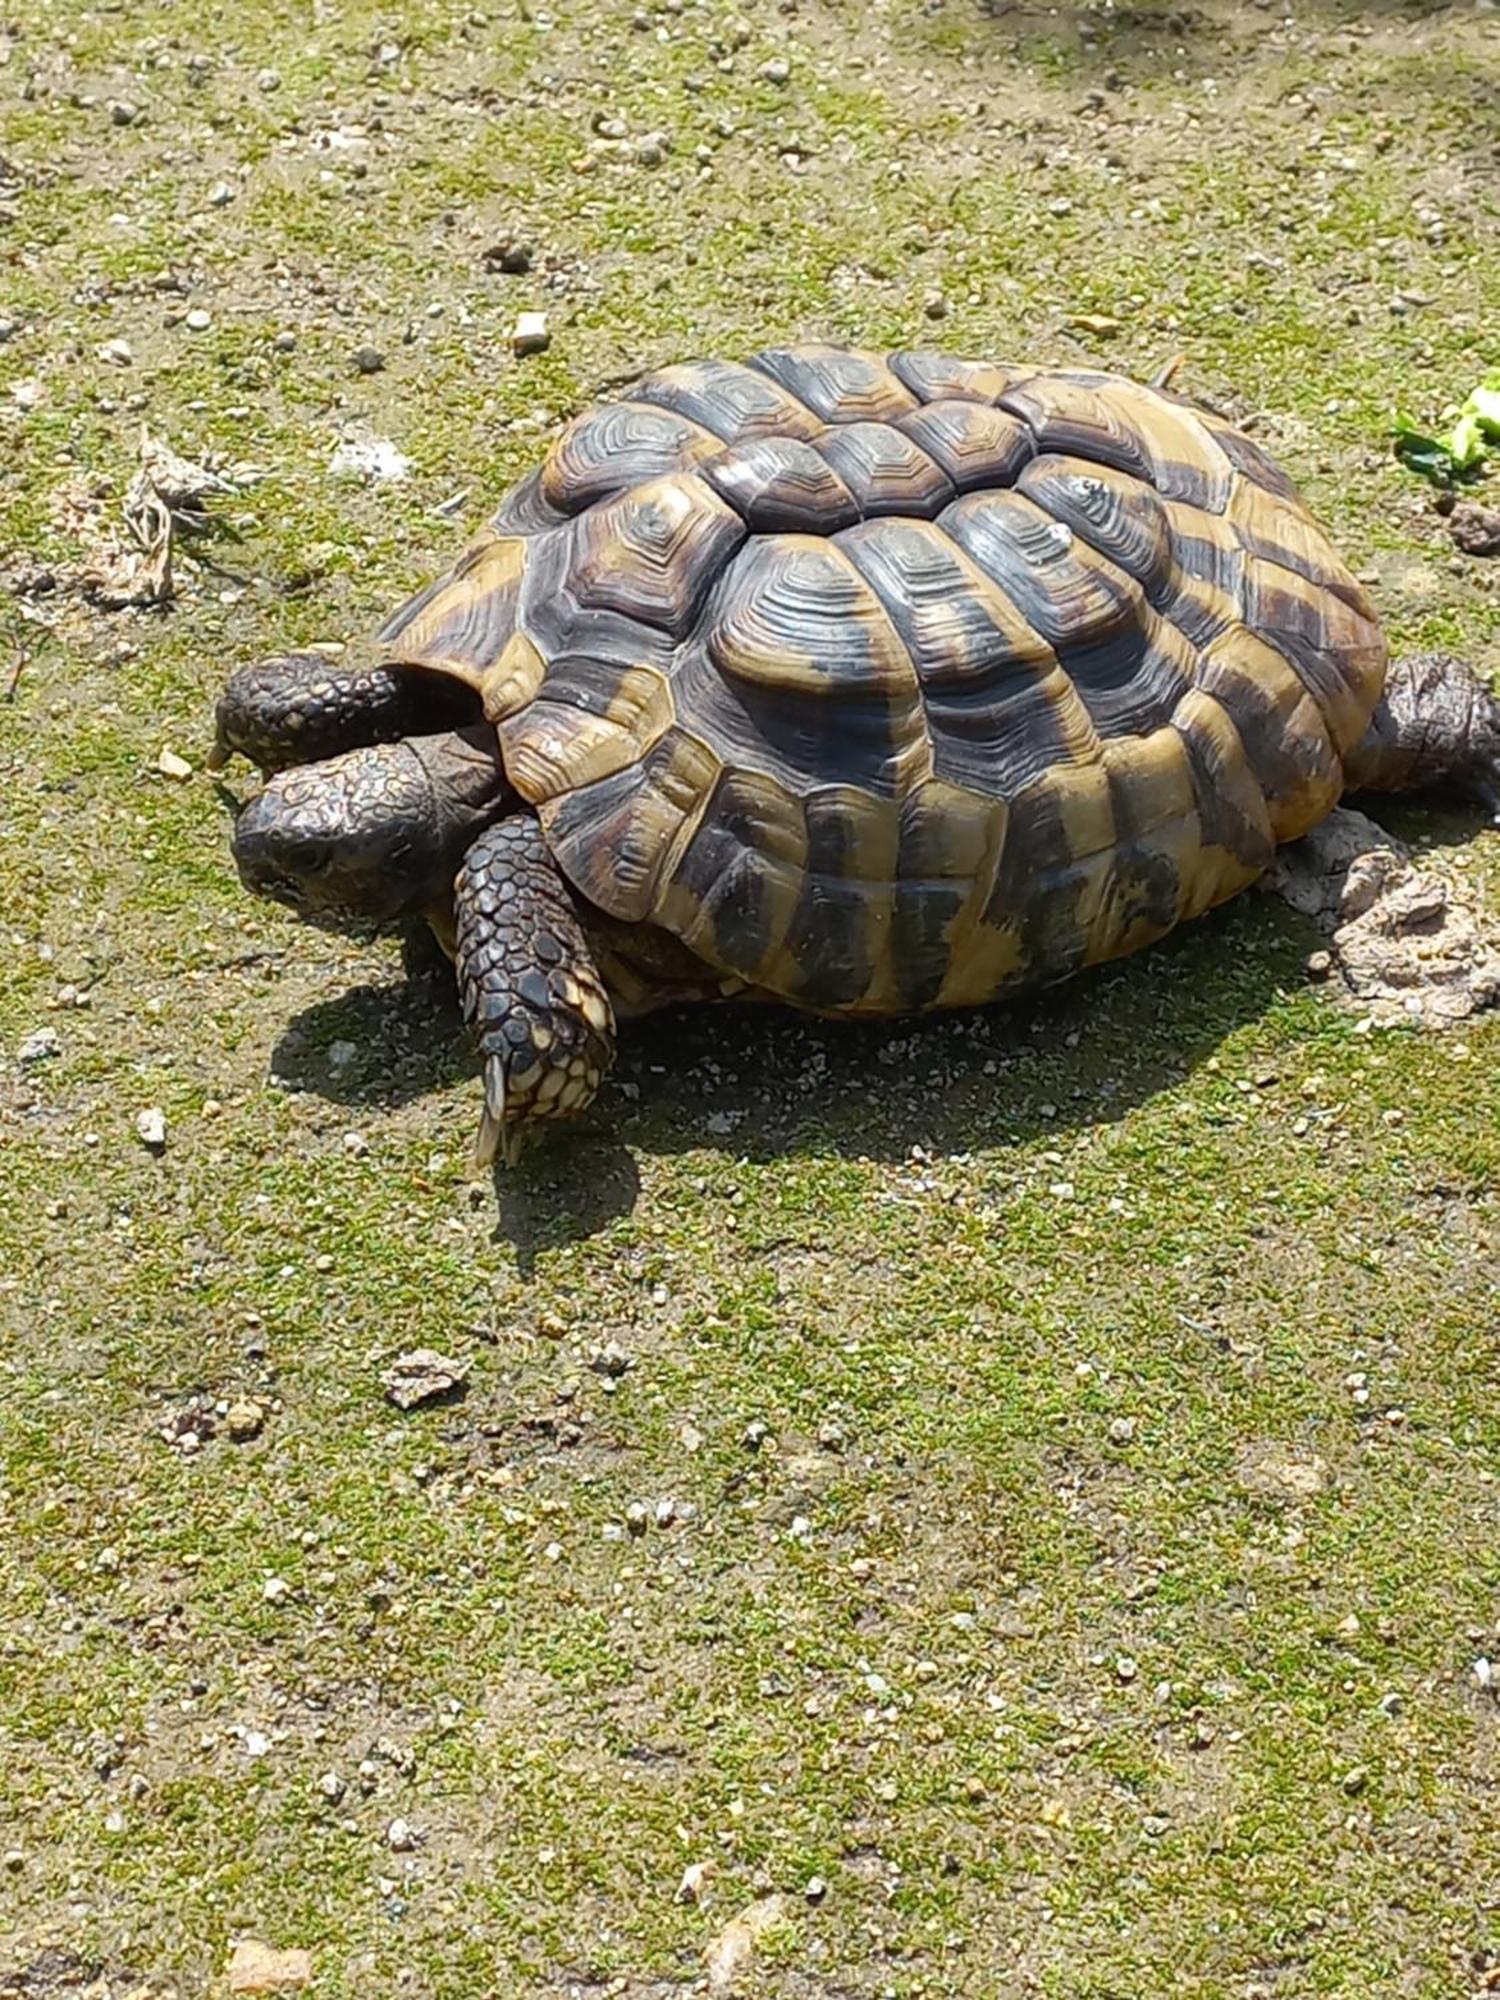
column 868, row 683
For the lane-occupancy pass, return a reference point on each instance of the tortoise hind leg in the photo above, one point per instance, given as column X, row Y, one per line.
column 528, row 985
column 300, row 708
column 1437, row 726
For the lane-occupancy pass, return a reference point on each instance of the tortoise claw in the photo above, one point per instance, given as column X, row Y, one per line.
column 496, row 1140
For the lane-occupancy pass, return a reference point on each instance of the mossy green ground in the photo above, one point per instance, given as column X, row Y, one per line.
column 1099, row 1613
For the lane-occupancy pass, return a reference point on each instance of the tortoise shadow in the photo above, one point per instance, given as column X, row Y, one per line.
column 767, row 1083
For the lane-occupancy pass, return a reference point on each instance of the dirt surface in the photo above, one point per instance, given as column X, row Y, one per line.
column 1019, row 1490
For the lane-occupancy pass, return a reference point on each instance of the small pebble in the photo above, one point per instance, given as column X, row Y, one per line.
column 777, row 70
column 332, row 1786
column 118, row 353
column 529, row 335
column 399, row 1837
column 122, row 111
column 508, row 255
column 637, row 1520
column 198, row 321
column 269, row 79
column 40, row 1046
column 368, row 361
column 151, row 1129
column 244, row 1419
column 14, row 1859
column 285, row 342
column 816, row 1889
column 1354, row 1782
column 220, row 195
column 172, row 766
column 276, row 1590
column 1126, row 1668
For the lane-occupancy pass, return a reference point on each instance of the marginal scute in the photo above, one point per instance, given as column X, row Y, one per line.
column 652, row 552
column 460, row 624
column 619, row 445
column 617, row 839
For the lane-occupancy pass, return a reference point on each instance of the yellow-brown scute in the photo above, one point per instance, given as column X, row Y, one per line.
column 895, row 682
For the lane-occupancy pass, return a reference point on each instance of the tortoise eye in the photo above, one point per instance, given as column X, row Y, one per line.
column 307, row 857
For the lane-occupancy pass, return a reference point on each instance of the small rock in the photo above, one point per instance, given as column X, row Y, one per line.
column 731, row 1952
column 1126, row 1668
column 777, row 70
column 694, row 1880
column 332, row 1786
column 1122, row 1430
column 400, row 1837
column 15, row 1860
column 529, row 335
column 816, row 1889
column 1475, row 529
column 197, row 321
column 754, row 1434
column 122, row 111
column 1354, row 1782
column 285, row 342
column 508, row 255
column 1272, row 1473
column 256, row 1743
column 38, row 1047
column 421, row 1376
column 368, row 361
column 244, row 1419
column 151, row 1129
column 637, row 1519
column 172, row 766
column 935, row 306
column 117, row 353
column 362, row 456
column 612, row 1360
column 269, row 79
column 220, row 195
column 259, row 1968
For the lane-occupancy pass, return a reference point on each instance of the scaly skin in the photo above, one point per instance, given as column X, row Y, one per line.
column 303, row 708
column 529, row 987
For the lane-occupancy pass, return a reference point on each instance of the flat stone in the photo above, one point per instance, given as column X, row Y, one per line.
column 260, row 1968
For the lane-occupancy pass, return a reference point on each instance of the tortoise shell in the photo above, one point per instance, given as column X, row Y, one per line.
column 888, row 683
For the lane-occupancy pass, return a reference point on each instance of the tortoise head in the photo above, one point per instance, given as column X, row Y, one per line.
column 376, row 834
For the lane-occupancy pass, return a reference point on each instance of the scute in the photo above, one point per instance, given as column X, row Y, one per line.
column 892, row 682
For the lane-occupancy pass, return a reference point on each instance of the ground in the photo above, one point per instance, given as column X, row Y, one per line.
column 1061, row 1442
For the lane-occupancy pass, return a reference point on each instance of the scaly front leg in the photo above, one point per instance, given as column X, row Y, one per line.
column 528, row 985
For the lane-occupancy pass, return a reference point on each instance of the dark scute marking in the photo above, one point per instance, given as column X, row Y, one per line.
column 525, row 510
column 464, row 622
column 886, row 471
column 1250, row 459
column 1036, row 888
column 975, row 445
column 803, row 741
column 932, row 376
column 1222, row 814
column 783, row 486
column 928, row 899
column 723, row 870
column 1201, row 559
column 1281, row 609
column 1146, row 882
column 729, row 398
column 603, row 840
column 1286, row 763
column 1120, row 517
column 841, row 385
column 993, row 726
column 829, row 938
